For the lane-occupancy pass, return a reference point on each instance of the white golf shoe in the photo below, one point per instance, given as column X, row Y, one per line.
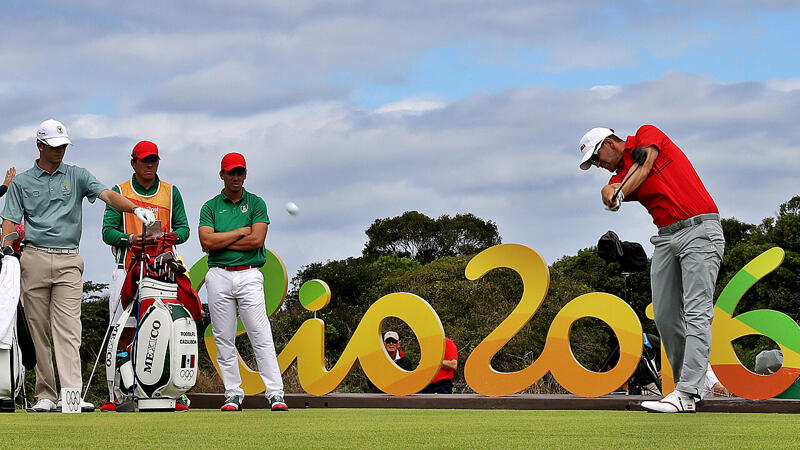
column 43, row 405
column 675, row 402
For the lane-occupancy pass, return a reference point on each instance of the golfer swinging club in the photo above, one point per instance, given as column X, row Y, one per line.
column 688, row 247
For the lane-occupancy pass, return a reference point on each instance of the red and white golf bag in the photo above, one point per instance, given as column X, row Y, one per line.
column 161, row 364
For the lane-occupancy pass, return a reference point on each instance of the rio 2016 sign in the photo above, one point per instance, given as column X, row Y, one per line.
column 307, row 346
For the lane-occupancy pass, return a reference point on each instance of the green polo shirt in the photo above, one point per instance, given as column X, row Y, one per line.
column 50, row 204
column 221, row 214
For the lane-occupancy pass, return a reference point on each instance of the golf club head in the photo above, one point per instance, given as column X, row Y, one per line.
column 177, row 267
column 129, row 406
column 164, row 258
column 13, row 236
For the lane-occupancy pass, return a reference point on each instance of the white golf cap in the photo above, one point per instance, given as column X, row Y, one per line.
column 53, row 133
column 391, row 334
column 589, row 143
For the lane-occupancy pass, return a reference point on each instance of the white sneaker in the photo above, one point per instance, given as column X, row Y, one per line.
column 675, row 402
column 87, row 407
column 43, row 405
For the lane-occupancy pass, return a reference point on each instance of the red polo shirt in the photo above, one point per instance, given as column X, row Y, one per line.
column 672, row 190
column 450, row 352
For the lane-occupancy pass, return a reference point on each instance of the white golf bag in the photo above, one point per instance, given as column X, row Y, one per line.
column 12, row 372
column 161, row 364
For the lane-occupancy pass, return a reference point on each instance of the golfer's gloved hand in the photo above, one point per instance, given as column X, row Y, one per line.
column 145, row 215
column 615, row 207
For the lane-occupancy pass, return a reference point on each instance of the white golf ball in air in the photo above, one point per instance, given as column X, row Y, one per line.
column 292, row 209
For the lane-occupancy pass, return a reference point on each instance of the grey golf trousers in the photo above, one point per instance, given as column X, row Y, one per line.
column 683, row 275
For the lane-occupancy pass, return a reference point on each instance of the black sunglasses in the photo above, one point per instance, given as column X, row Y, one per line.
column 596, row 153
column 391, row 341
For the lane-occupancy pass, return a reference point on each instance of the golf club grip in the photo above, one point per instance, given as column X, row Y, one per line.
column 144, row 235
column 639, row 155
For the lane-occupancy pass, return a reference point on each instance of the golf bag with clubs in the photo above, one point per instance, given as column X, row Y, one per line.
column 16, row 346
column 645, row 379
column 632, row 258
column 161, row 363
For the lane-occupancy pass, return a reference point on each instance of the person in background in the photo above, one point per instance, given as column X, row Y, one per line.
column 10, row 173
column 392, row 344
column 712, row 387
column 443, row 381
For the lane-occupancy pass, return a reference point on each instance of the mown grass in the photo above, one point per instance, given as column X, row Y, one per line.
column 397, row 428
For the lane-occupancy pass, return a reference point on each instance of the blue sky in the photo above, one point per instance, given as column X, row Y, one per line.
column 358, row 110
column 760, row 48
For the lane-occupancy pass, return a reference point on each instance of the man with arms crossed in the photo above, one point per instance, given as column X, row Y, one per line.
column 48, row 198
column 688, row 247
column 233, row 227
column 121, row 231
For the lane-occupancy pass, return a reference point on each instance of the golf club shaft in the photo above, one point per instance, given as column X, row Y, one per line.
column 639, row 157
column 630, row 175
column 102, row 345
column 134, row 347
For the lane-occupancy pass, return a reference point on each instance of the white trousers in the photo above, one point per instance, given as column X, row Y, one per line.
column 241, row 293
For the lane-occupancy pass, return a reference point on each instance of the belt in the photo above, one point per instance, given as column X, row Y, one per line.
column 55, row 251
column 691, row 221
column 238, row 268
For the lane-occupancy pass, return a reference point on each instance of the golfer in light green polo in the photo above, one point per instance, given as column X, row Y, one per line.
column 49, row 197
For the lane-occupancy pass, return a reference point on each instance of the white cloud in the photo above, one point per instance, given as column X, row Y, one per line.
column 414, row 106
column 510, row 157
column 275, row 81
column 787, row 85
column 249, row 55
column 607, row 91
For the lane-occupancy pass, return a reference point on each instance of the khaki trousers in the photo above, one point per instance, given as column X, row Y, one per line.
column 51, row 293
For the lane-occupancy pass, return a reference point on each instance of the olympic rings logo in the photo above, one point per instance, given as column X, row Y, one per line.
column 186, row 374
column 72, row 398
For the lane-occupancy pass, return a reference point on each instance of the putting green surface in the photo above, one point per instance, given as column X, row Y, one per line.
column 398, row 428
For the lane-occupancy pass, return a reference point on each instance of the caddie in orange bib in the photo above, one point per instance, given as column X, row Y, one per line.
column 121, row 230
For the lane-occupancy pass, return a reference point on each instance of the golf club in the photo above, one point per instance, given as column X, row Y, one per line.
column 100, row 352
column 13, row 236
column 131, row 407
column 639, row 156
